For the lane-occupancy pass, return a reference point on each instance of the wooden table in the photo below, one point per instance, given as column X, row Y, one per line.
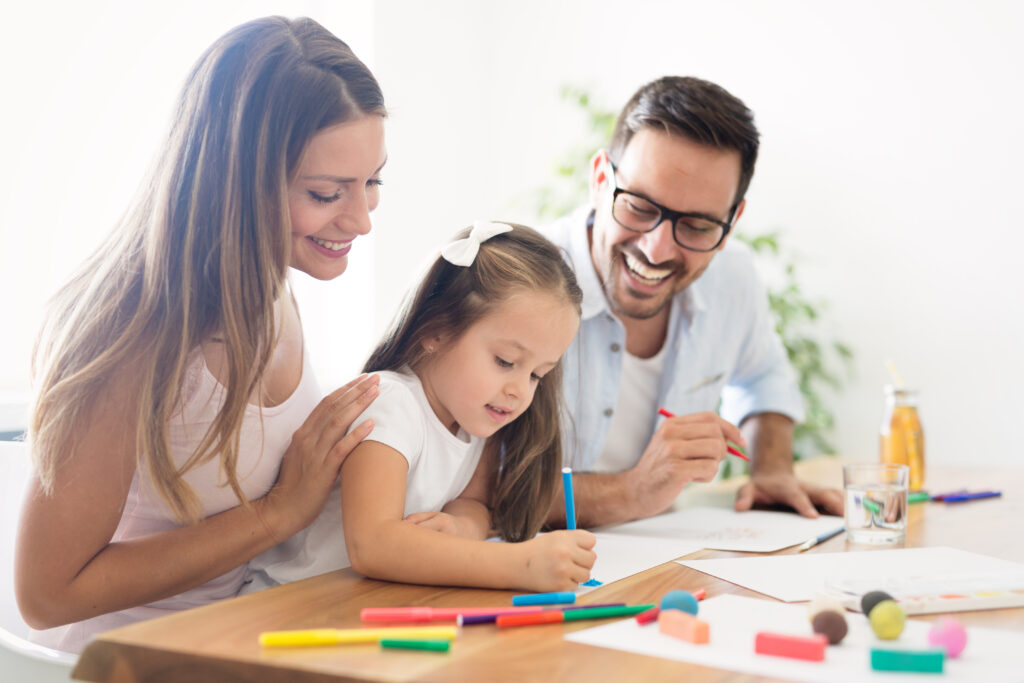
column 219, row 642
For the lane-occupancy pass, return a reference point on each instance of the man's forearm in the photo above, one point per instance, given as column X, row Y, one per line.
column 769, row 442
column 600, row 499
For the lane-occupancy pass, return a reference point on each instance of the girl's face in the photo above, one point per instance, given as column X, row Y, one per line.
column 487, row 377
column 336, row 187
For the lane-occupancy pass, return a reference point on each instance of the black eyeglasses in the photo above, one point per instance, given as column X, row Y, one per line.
column 693, row 231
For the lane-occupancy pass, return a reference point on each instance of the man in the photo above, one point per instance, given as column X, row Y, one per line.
column 672, row 318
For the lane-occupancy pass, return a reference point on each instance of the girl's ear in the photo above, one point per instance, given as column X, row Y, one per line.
column 431, row 343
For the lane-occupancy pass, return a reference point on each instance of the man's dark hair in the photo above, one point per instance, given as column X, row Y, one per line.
column 692, row 108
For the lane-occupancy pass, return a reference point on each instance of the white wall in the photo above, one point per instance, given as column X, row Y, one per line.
column 890, row 160
column 87, row 91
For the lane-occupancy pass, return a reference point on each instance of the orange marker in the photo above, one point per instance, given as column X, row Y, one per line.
column 553, row 616
column 557, row 615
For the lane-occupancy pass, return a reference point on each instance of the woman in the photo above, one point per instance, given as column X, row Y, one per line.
column 175, row 427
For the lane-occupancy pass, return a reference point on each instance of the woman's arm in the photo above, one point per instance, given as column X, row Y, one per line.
column 382, row 546
column 67, row 569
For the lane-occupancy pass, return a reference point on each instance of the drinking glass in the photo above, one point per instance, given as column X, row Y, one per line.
column 876, row 502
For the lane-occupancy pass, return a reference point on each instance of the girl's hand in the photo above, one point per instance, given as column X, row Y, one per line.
column 313, row 460
column 559, row 560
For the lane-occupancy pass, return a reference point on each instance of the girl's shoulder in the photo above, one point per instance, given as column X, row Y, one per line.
column 400, row 389
column 399, row 413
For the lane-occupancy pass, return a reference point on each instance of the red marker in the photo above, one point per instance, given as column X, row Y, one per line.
column 648, row 617
column 728, row 445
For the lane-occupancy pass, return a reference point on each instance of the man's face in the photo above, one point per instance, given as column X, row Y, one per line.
column 640, row 272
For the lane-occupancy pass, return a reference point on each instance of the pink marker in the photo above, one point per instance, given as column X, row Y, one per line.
column 435, row 613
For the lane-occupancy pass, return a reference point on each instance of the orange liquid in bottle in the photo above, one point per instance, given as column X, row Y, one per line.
column 902, row 437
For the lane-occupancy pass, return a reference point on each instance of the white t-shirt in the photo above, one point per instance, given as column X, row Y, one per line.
column 636, row 410
column 440, row 466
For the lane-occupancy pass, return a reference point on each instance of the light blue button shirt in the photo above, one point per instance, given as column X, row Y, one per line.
column 722, row 345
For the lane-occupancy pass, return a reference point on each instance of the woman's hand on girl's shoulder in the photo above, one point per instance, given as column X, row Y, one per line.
column 559, row 560
column 310, row 467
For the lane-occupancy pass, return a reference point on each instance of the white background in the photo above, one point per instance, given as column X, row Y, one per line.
column 892, row 144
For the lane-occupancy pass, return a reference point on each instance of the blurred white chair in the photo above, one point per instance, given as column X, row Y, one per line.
column 20, row 660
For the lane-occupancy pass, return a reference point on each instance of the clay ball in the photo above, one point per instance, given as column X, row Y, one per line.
column 682, row 600
column 950, row 635
column 823, row 603
column 869, row 600
column 887, row 620
column 830, row 624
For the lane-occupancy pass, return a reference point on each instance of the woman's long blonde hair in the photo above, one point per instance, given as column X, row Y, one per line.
column 203, row 250
column 448, row 302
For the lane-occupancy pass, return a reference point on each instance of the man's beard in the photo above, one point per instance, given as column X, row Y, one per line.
column 634, row 308
column 615, row 282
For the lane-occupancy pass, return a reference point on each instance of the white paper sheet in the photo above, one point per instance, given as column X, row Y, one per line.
column 991, row 655
column 725, row 529
column 620, row 556
column 793, row 578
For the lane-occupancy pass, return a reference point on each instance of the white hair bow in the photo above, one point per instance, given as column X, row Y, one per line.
column 463, row 252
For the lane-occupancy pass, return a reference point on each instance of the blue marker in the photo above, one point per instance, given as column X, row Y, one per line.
column 570, row 511
column 544, row 599
column 570, row 503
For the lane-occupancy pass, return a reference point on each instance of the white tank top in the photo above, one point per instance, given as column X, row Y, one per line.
column 262, row 445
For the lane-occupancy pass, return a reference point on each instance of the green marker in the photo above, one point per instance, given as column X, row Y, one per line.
column 605, row 612
column 871, row 505
column 416, row 644
column 918, row 497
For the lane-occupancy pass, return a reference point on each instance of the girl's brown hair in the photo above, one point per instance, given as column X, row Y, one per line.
column 451, row 299
column 203, row 250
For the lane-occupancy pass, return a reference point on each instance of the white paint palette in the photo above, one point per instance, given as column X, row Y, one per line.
column 934, row 595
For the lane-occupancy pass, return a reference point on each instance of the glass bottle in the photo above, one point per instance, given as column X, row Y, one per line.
column 902, row 436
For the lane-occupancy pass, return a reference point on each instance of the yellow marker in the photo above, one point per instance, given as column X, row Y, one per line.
column 338, row 636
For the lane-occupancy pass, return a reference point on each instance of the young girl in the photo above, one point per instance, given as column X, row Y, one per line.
column 466, row 436
column 172, row 389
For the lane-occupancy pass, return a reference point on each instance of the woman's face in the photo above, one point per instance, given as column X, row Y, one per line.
column 335, row 189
